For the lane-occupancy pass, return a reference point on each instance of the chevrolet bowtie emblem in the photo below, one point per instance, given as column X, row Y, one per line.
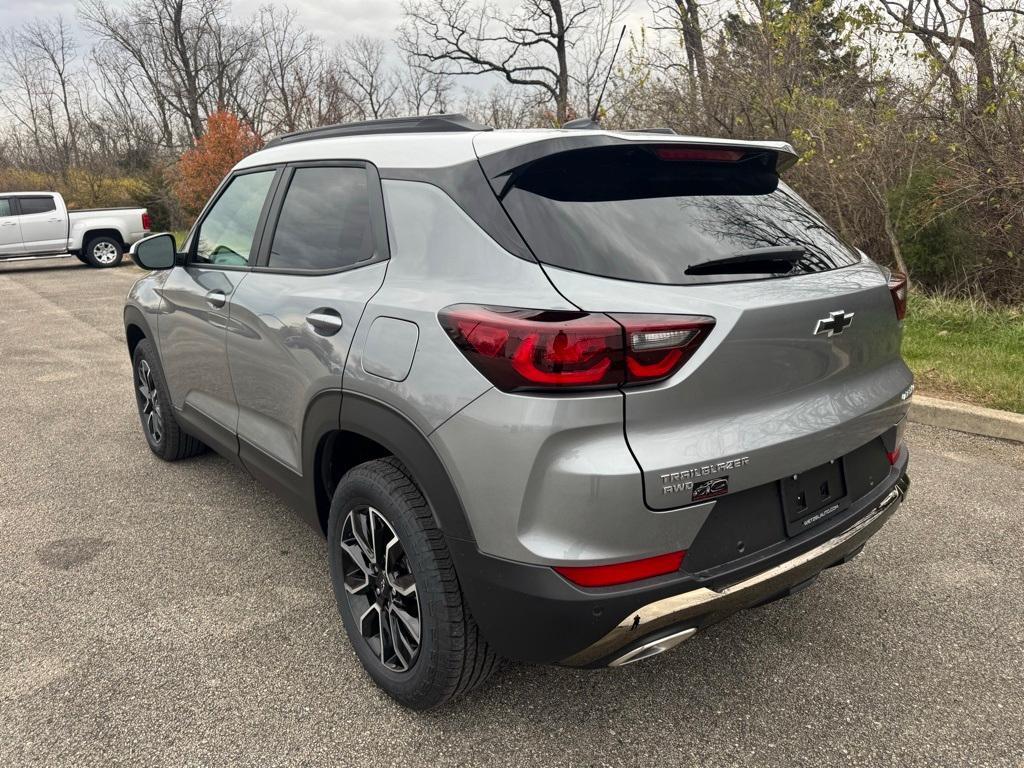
column 835, row 323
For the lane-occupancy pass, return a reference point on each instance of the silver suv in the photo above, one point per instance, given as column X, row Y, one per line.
column 552, row 395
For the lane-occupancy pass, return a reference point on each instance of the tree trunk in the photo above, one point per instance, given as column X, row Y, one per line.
column 693, row 39
column 982, row 53
column 562, row 86
column 894, row 243
column 188, row 72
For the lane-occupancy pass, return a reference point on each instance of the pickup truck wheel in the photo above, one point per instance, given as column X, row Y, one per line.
column 398, row 592
column 103, row 251
column 165, row 436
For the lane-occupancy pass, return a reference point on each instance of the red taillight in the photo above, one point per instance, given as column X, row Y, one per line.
column 898, row 289
column 622, row 573
column 536, row 349
column 531, row 349
column 699, row 154
column 147, row 222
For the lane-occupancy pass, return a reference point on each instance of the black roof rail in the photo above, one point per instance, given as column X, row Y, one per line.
column 421, row 124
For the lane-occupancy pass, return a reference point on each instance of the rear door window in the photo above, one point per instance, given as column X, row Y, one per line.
column 5, row 207
column 648, row 213
column 324, row 222
column 36, row 205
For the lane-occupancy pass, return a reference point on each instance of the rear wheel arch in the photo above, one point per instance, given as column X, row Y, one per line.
column 368, row 429
column 92, row 234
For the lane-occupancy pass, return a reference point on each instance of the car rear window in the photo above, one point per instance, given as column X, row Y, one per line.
column 649, row 213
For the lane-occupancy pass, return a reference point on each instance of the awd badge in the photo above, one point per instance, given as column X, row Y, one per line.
column 709, row 489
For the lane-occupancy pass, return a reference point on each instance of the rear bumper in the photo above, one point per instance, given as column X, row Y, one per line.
column 530, row 613
column 636, row 636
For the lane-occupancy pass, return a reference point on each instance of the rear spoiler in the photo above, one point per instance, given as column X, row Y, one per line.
column 499, row 166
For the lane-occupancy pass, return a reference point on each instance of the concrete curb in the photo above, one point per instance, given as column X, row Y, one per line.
column 972, row 419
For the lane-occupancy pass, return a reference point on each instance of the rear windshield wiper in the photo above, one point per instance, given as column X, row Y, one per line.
column 774, row 260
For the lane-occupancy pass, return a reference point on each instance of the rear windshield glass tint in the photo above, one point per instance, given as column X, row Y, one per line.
column 625, row 212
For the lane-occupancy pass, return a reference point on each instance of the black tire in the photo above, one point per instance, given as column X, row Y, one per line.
column 103, row 251
column 164, row 435
column 452, row 657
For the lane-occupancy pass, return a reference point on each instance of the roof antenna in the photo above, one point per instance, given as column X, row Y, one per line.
column 594, row 121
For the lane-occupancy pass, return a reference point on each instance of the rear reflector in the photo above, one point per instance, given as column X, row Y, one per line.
column 898, row 289
column 622, row 573
column 533, row 349
column 893, row 441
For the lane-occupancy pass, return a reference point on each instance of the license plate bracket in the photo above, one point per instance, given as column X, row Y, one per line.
column 813, row 497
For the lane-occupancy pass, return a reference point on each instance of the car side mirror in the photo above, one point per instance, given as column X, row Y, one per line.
column 155, row 251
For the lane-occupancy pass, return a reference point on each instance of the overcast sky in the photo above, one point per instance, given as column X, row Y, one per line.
column 334, row 20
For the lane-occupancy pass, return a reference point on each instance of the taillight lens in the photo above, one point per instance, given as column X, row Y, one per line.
column 622, row 573
column 536, row 349
column 531, row 349
column 147, row 222
column 898, row 289
column 658, row 345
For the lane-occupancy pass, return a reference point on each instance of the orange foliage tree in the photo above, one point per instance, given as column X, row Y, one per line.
column 200, row 169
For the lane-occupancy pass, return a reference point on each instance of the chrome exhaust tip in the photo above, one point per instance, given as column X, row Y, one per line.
column 653, row 648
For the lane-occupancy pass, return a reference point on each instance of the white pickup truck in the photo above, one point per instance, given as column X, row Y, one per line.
column 39, row 224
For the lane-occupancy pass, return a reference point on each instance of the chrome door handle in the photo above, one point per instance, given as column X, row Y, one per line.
column 216, row 299
column 53, row 221
column 325, row 321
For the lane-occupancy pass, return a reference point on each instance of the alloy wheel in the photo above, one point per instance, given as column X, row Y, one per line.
column 104, row 252
column 380, row 588
column 149, row 403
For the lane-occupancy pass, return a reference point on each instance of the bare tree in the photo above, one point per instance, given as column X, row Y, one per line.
column 423, row 92
column 22, row 96
column 528, row 47
column 505, row 106
column 290, row 63
column 942, row 26
column 185, row 52
column 53, row 47
column 42, row 93
column 594, row 52
column 684, row 18
column 372, row 87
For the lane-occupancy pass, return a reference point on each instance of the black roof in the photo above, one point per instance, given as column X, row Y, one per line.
column 421, row 124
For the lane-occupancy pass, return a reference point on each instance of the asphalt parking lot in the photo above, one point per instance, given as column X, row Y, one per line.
column 179, row 614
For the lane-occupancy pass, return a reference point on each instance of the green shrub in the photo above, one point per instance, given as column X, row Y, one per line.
column 937, row 244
